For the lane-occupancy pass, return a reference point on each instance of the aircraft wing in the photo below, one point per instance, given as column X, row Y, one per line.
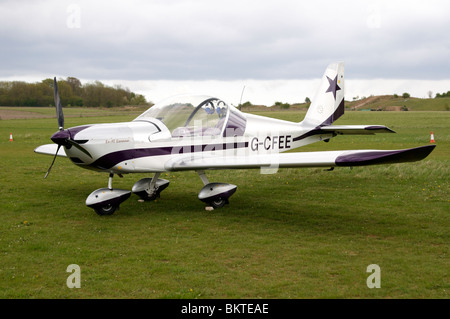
column 356, row 129
column 50, row 149
column 301, row 159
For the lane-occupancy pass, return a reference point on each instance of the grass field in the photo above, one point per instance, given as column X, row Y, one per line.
column 301, row 233
column 390, row 102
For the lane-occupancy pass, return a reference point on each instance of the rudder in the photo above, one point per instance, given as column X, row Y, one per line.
column 328, row 104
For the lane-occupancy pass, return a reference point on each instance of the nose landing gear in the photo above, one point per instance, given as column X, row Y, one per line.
column 105, row 201
column 149, row 189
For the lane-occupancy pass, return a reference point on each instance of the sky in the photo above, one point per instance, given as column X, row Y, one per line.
column 264, row 50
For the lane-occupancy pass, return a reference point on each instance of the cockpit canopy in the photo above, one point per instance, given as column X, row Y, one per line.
column 197, row 115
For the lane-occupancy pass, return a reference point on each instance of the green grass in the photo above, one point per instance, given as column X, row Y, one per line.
column 301, row 233
column 412, row 103
column 49, row 112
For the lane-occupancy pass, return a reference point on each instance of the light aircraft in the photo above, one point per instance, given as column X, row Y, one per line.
column 202, row 133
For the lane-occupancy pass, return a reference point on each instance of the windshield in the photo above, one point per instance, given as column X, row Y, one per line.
column 190, row 115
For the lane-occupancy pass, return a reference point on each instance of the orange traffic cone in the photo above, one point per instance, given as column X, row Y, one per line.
column 432, row 138
column 10, row 137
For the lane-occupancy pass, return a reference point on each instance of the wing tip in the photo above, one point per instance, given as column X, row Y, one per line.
column 385, row 157
column 50, row 149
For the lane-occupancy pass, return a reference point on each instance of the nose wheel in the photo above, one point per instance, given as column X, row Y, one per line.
column 105, row 201
column 149, row 189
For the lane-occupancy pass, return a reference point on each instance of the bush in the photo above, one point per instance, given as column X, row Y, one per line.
column 283, row 106
column 438, row 95
column 246, row 104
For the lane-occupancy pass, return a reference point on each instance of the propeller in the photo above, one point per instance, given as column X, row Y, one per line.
column 59, row 111
column 62, row 137
column 51, row 165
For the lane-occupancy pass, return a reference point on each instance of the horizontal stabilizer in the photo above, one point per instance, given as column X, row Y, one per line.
column 356, row 129
column 300, row 159
column 50, row 149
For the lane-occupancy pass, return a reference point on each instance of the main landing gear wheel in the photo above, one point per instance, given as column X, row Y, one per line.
column 108, row 209
column 218, row 203
column 215, row 194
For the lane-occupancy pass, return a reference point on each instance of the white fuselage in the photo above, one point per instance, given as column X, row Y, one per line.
column 143, row 146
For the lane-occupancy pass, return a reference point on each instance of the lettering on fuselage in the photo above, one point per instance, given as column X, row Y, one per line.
column 271, row 142
column 117, row 140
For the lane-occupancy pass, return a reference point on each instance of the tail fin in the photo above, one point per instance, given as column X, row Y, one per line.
column 328, row 104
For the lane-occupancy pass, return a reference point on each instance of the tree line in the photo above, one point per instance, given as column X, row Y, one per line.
column 439, row 95
column 71, row 91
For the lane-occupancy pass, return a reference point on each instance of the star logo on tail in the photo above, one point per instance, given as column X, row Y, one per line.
column 333, row 86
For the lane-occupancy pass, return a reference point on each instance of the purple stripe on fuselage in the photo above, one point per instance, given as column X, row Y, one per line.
column 316, row 131
column 109, row 160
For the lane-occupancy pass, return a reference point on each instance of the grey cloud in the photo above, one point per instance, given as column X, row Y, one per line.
column 198, row 40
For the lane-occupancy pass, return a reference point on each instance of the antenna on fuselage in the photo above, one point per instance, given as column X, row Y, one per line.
column 242, row 94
